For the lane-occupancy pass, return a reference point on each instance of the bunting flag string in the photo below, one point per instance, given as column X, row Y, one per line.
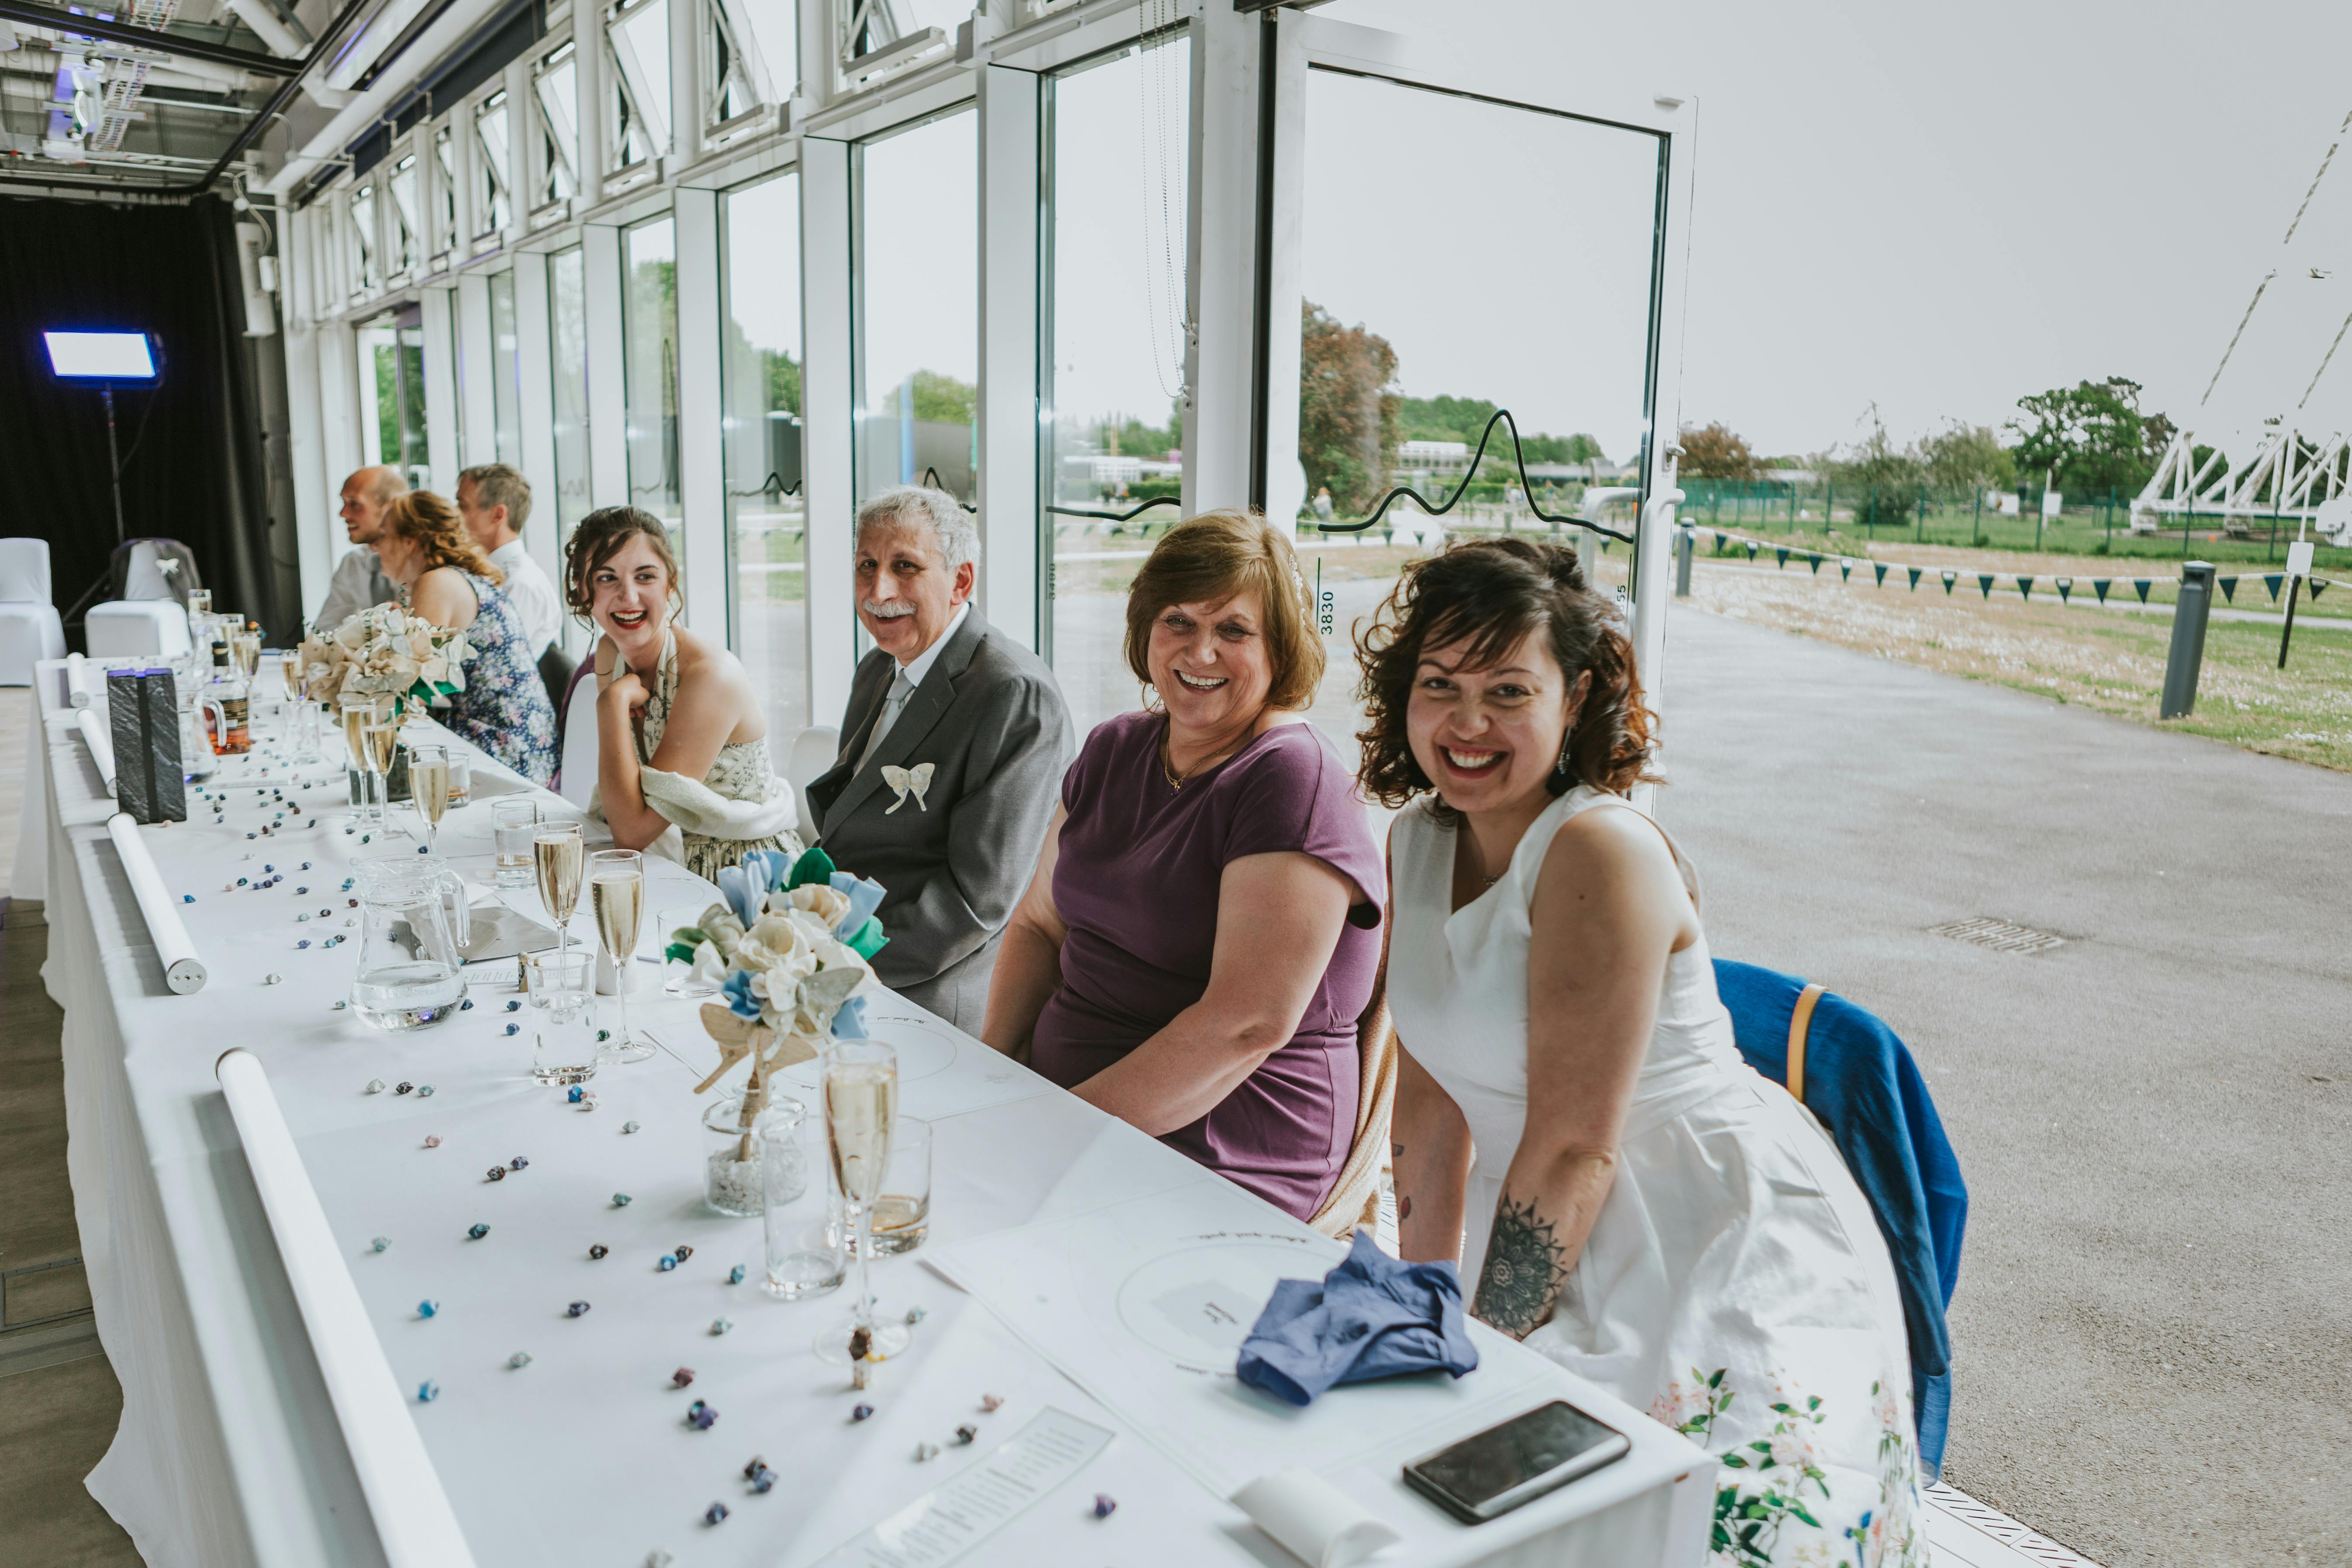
column 1986, row 580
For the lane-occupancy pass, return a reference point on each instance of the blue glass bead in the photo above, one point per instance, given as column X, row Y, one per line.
column 752, row 1469
column 574, row 1096
column 467, row 1005
column 269, row 867
column 306, row 864
column 187, row 898
column 714, row 1513
column 303, row 944
column 620, row 1200
column 517, row 1163
column 428, row 1309
column 705, row 1418
column 300, row 891
column 735, row 1275
column 424, row 849
column 577, row 1309
column 514, row 1028
column 519, row 1359
column 666, row 1264
column 763, row 1480
column 427, row 1392
column 478, row 1230
column 424, row 1092
column 240, row 881
column 514, row 1007
column 860, row 1412
column 380, row 1242
column 682, row 1252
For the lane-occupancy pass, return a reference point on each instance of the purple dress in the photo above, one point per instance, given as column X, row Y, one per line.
column 1137, row 884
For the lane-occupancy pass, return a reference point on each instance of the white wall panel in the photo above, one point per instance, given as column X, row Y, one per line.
column 700, row 455
column 478, row 414
column 828, row 429
column 1008, row 350
column 435, row 306
column 608, row 397
column 1221, row 260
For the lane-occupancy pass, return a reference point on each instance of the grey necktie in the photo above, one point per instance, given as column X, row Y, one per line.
column 892, row 706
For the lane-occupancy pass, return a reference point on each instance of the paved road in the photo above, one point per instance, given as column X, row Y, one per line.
column 2154, row 1323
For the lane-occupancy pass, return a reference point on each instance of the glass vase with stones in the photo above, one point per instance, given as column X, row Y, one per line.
column 733, row 1182
column 411, row 971
column 803, row 1254
column 561, row 988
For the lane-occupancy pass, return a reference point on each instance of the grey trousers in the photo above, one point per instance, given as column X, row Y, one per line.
column 959, row 992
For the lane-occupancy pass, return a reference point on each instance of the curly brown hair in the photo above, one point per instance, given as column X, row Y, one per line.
column 1211, row 558
column 425, row 519
column 599, row 538
column 1490, row 593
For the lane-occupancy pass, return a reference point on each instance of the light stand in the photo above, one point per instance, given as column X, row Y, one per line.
column 113, row 461
column 108, row 359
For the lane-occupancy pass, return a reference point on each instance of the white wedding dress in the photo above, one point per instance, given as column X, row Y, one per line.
column 1734, row 1285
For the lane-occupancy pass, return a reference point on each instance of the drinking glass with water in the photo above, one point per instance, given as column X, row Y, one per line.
column 514, row 823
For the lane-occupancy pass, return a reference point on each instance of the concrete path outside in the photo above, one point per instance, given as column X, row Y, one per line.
column 2153, row 1331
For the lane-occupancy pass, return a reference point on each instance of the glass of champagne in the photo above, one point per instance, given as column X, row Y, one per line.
column 861, row 1111
column 379, row 739
column 616, row 893
column 245, row 651
column 428, row 786
column 557, row 854
column 358, row 710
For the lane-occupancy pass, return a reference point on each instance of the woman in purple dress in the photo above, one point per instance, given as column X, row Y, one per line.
column 1197, row 949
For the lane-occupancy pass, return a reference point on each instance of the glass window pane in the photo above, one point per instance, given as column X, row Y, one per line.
column 918, row 292
column 416, row 454
column 379, row 396
column 506, row 370
column 364, row 278
column 640, row 52
column 649, row 360
column 775, row 27
column 444, row 190
column 490, row 135
column 1400, row 341
column 1115, row 373
column 767, row 514
column 567, row 310
column 555, row 85
column 406, row 214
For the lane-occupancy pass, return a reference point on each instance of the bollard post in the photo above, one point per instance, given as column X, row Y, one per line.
column 1684, row 542
column 2189, row 617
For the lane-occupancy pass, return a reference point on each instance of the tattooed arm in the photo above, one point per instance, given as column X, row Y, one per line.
column 1609, row 907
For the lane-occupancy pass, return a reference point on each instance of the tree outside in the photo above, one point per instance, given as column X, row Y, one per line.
column 2090, row 438
column 1715, row 452
column 1968, row 456
column 1347, row 416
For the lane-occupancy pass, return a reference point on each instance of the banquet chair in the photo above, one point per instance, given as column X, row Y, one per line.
column 30, row 628
column 814, row 749
column 1858, row 1079
column 148, row 616
column 575, row 757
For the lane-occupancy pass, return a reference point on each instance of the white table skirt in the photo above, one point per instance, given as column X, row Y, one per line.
column 229, row 1452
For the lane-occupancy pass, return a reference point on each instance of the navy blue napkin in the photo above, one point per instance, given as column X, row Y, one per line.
column 1372, row 1317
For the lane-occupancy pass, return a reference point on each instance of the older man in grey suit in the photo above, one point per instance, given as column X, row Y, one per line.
column 952, row 751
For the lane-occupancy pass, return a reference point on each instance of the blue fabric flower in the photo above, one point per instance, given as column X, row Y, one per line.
column 864, row 895
column 849, row 1022
column 766, row 869
column 738, row 991
column 735, row 884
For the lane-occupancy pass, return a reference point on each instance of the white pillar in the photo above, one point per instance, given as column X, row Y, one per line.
column 608, row 397
column 315, row 530
column 701, row 455
column 1221, row 260
column 477, row 372
column 535, row 375
column 1009, row 518
column 828, row 430
column 437, row 321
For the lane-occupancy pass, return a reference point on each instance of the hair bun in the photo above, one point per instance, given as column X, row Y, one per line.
column 1566, row 566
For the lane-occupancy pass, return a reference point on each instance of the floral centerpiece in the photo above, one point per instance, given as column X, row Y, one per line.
column 387, row 651
column 787, row 951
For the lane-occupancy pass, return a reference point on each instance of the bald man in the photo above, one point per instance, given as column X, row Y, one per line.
column 359, row 578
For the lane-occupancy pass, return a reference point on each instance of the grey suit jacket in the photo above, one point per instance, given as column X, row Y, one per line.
column 990, row 719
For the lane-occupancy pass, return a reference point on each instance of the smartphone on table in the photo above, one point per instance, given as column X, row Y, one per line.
column 1489, row 1473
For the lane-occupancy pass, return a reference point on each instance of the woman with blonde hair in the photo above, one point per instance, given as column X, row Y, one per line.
column 503, row 707
column 1195, row 952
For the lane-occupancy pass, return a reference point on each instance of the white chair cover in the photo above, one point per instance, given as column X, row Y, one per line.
column 814, row 749
column 132, row 627
column 24, row 571
column 578, row 763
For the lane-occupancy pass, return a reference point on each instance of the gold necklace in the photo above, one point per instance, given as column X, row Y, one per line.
column 1167, row 748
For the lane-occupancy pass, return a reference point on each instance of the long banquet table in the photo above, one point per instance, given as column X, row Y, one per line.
column 230, row 1450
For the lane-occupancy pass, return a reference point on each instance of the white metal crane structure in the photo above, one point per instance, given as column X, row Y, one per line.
column 2275, row 421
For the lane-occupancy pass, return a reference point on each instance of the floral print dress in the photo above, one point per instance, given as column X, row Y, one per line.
column 504, row 708
column 1735, row 1284
column 742, row 771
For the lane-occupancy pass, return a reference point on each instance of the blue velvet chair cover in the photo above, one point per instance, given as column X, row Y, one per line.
column 1859, row 1080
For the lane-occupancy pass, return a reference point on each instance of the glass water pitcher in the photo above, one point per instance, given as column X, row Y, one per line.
column 411, row 965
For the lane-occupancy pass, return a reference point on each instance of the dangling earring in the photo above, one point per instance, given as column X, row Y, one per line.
column 1562, row 766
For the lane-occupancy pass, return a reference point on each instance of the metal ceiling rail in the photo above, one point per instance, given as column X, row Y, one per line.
column 33, row 14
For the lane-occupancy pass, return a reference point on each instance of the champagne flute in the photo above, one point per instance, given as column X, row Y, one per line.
column 245, row 651
column 557, row 854
column 379, row 739
column 861, row 1111
column 428, row 786
column 358, row 709
column 617, row 891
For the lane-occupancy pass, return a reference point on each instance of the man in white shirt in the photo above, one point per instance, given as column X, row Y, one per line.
column 359, row 581
column 494, row 502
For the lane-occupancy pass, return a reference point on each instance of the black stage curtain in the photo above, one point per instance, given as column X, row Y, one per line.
column 193, row 445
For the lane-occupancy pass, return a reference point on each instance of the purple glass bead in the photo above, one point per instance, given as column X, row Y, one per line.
column 683, row 1377
column 517, row 1162
column 715, row 1513
column 754, row 1467
column 860, row 1412
column 577, row 1309
column 764, row 1480
column 1105, row 1505
column 498, row 1172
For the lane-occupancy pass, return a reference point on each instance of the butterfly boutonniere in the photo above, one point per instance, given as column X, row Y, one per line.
column 911, row 781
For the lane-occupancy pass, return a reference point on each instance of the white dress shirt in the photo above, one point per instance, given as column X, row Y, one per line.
column 910, row 676
column 527, row 584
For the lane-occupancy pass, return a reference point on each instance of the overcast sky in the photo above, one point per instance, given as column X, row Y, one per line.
column 1940, row 209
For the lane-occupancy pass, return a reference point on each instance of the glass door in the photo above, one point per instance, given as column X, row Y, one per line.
column 1463, row 250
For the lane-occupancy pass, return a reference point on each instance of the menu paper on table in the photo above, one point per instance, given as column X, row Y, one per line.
column 944, row 1523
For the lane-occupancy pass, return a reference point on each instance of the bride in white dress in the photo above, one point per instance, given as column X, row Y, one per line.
column 1573, row 1122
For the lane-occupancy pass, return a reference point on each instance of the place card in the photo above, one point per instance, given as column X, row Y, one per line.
column 948, row 1521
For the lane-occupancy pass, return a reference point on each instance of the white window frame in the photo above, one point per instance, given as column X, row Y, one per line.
column 491, row 179
column 632, row 86
column 882, row 59
column 445, row 192
column 405, row 242
column 366, row 277
column 721, row 26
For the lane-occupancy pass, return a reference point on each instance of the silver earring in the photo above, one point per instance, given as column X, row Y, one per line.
column 1562, row 766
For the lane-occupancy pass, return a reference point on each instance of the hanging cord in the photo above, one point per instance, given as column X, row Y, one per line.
column 1156, row 29
column 932, row 477
column 773, row 485
column 1502, row 416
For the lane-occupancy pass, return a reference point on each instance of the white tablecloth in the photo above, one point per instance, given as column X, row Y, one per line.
column 228, row 1451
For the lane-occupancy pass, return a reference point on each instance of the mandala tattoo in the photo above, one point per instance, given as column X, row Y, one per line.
column 1522, row 1272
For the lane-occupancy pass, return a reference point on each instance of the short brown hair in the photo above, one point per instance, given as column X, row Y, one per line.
column 599, row 538
column 495, row 484
column 1491, row 593
column 1218, row 556
column 425, row 519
